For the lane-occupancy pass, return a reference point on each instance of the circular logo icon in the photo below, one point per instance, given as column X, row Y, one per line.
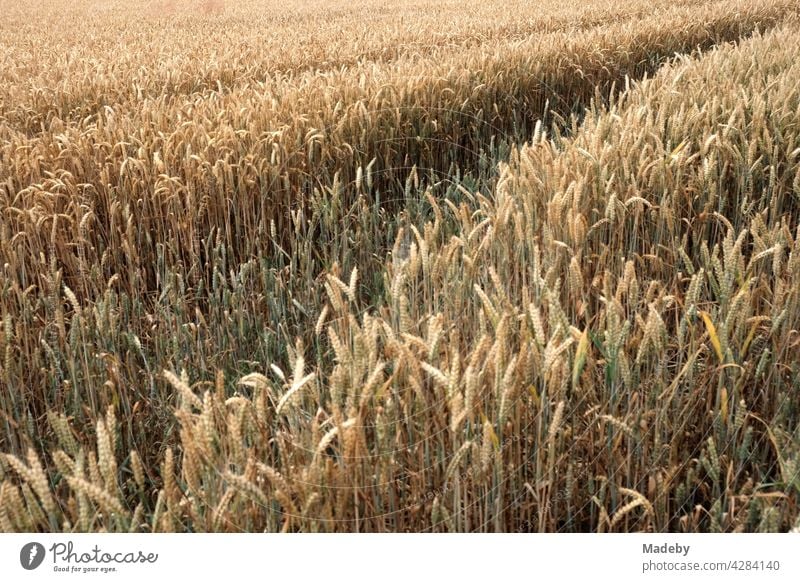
column 31, row 555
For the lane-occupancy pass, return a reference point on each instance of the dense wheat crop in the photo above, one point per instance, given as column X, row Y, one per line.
column 438, row 266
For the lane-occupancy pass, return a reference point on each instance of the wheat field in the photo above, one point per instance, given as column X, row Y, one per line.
column 472, row 266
